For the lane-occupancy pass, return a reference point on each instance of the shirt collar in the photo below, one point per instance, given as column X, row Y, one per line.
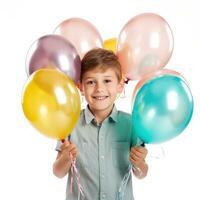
column 89, row 116
column 114, row 114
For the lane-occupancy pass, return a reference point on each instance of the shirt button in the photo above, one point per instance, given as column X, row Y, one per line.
column 103, row 196
column 102, row 157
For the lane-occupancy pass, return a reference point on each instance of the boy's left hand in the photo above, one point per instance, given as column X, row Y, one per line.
column 137, row 156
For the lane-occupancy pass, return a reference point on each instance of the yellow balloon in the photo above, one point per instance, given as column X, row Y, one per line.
column 110, row 44
column 51, row 103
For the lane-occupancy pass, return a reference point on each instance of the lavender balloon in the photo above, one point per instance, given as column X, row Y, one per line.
column 54, row 51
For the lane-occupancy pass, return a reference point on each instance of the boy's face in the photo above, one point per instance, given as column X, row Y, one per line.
column 101, row 89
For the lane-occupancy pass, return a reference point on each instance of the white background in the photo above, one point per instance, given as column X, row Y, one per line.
column 26, row 157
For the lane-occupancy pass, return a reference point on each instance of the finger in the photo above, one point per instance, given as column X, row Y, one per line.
column 135, row 149
column 66, row 151
column 64, row 145
column 139, row 151
column 67, row 142
column 71, row 147
column 67, row 145
column 138, row 154
column 135, row 157
column 134, row 162
column 74, row 152
column 142, row 150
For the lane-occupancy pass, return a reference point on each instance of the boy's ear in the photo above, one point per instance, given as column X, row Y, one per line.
column 80, row 87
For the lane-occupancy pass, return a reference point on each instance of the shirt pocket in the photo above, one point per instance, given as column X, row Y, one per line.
column 120, row 154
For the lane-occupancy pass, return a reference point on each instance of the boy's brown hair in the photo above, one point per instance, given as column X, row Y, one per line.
column 100, row 59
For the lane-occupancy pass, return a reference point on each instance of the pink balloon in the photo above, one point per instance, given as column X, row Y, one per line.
column 81, row 33
column 54, row 51
column 145, row 44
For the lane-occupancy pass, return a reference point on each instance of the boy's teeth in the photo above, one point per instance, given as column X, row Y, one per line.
column 100, row 98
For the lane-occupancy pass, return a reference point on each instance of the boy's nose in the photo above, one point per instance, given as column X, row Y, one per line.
column 100, row 86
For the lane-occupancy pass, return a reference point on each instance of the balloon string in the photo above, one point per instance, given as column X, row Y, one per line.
column 121, row 191
column 75, row 174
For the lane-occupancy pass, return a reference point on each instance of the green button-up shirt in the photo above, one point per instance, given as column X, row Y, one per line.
column 103, row 155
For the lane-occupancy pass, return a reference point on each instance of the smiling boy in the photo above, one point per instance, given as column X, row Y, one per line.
column 103, row 142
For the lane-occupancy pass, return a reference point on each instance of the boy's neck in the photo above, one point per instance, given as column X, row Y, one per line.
column 100, row 115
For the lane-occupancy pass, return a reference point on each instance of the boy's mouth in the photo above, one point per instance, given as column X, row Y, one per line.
column 100, row 97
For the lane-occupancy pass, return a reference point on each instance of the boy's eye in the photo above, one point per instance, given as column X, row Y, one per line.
column 107, row 81
column 90, row 82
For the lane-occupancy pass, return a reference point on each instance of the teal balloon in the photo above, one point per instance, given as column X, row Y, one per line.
column 162, row 109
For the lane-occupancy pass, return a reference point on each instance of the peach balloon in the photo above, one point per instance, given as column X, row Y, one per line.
column 81, row 33
column 145, row 44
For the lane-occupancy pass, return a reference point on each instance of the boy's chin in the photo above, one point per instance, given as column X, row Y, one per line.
column 102, row 107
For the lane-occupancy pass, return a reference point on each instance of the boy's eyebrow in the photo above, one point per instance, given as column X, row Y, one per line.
column 91, row 77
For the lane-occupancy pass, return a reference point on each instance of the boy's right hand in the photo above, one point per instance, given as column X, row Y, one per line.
column 68, row 148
